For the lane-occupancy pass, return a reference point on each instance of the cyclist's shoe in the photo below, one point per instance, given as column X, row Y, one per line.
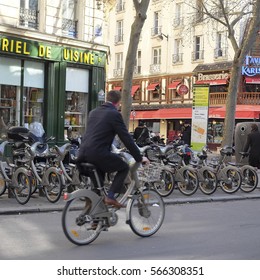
column 94, row 225
column 113, row 202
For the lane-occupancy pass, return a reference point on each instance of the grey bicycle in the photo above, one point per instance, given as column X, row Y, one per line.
column 85, row 214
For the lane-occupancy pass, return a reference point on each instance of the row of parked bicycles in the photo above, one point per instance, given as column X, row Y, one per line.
column 176, row 166
column 32, row 166
column 35, row 167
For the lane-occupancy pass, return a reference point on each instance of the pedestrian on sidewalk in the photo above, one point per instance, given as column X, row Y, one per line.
column 252, row 146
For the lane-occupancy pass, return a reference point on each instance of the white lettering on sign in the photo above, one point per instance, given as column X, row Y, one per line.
column 220, row 76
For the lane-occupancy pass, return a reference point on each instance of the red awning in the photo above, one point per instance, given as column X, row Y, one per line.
column 145, row 115
column 117, row 88
column 242, row 112
column 212, row 82
column 152, row 86
column 175, row 113
column 171, row 113
column 253, row 80
column 174, row 84
column 134, row 89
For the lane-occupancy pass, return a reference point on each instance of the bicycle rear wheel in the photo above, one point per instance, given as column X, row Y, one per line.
column 77, row 224
column 146, row 212
column 2, row 184
column 232, row 181
column 54, row 189
column 249, row 179
column 190, row 182
column 22, row 191
column 166, row 185
column 210, row 183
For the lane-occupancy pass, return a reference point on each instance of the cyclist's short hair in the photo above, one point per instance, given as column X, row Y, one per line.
column 114, row 96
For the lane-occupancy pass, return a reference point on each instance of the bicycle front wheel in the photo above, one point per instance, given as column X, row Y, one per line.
column 249, row 179
column 77, row 224
column 22, row 191
column 166, row 185
column 146, row 213
column 54, row 189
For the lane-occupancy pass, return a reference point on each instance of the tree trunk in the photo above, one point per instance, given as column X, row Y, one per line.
column 231, row 102
column 141, row 9
column 240, row 54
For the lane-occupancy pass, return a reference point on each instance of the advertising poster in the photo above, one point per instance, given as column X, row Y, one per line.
column 200, row 110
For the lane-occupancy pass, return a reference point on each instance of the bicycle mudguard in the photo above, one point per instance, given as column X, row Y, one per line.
column 17, row 171
column 97, row 204
column 185, row 168
column 45, row 181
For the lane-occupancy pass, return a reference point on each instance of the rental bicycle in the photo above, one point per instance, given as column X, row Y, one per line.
column 85, row 214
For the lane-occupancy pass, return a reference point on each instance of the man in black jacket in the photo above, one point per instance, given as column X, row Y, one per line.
column 104, row 123
column 141, row 134
column 253, row 142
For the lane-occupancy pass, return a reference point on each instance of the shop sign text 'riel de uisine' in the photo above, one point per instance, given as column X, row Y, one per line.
column 41, row 50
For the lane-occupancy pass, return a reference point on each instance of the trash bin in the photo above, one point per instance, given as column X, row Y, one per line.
column 241, row 131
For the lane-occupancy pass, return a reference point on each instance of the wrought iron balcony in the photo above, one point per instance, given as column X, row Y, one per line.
column 178, row 21
column 198, row 55
column 177, row 58
column 156, row 30
column 137, row 70
column 220, row 52
column 69, row 27
column 118, row 72
column 155, row 68
column 29, row 18
column 119, row 38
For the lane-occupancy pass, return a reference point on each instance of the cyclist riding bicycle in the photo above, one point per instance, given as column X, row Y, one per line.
column 104, row 123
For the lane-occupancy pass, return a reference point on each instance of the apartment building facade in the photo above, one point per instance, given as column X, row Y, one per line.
column 177, row 51
column 52, row 62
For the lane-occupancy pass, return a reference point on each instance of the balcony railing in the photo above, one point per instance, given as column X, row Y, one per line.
column 178, row 21
column 118, row 72
column 249, row 98
column 198, row 55
column 156, row 30
column 216, row 99
column 28, row 18
column 177, row 58
column 69, row 27
column 244, row 98
column 220, row 52
column 155, row 68
column 119, row 38
column 137, row 70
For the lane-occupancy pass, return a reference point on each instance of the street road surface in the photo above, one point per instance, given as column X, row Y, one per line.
column 208, row 231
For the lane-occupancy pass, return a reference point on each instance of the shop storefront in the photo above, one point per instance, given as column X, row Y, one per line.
column 52, row 84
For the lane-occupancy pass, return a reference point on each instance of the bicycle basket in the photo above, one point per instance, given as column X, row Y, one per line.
column 149, row 173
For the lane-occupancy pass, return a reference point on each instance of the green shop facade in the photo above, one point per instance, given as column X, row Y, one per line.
column 53, row 84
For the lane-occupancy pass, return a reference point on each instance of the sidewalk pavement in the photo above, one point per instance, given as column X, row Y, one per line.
column 37, row 204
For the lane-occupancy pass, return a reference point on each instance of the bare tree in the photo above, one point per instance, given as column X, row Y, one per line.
column 229, row 14
column 141, row 7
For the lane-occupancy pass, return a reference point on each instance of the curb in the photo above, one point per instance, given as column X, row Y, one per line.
column 168, row 201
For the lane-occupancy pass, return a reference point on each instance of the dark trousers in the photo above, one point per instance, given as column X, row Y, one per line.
column 111, row 163
column 254, row 161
